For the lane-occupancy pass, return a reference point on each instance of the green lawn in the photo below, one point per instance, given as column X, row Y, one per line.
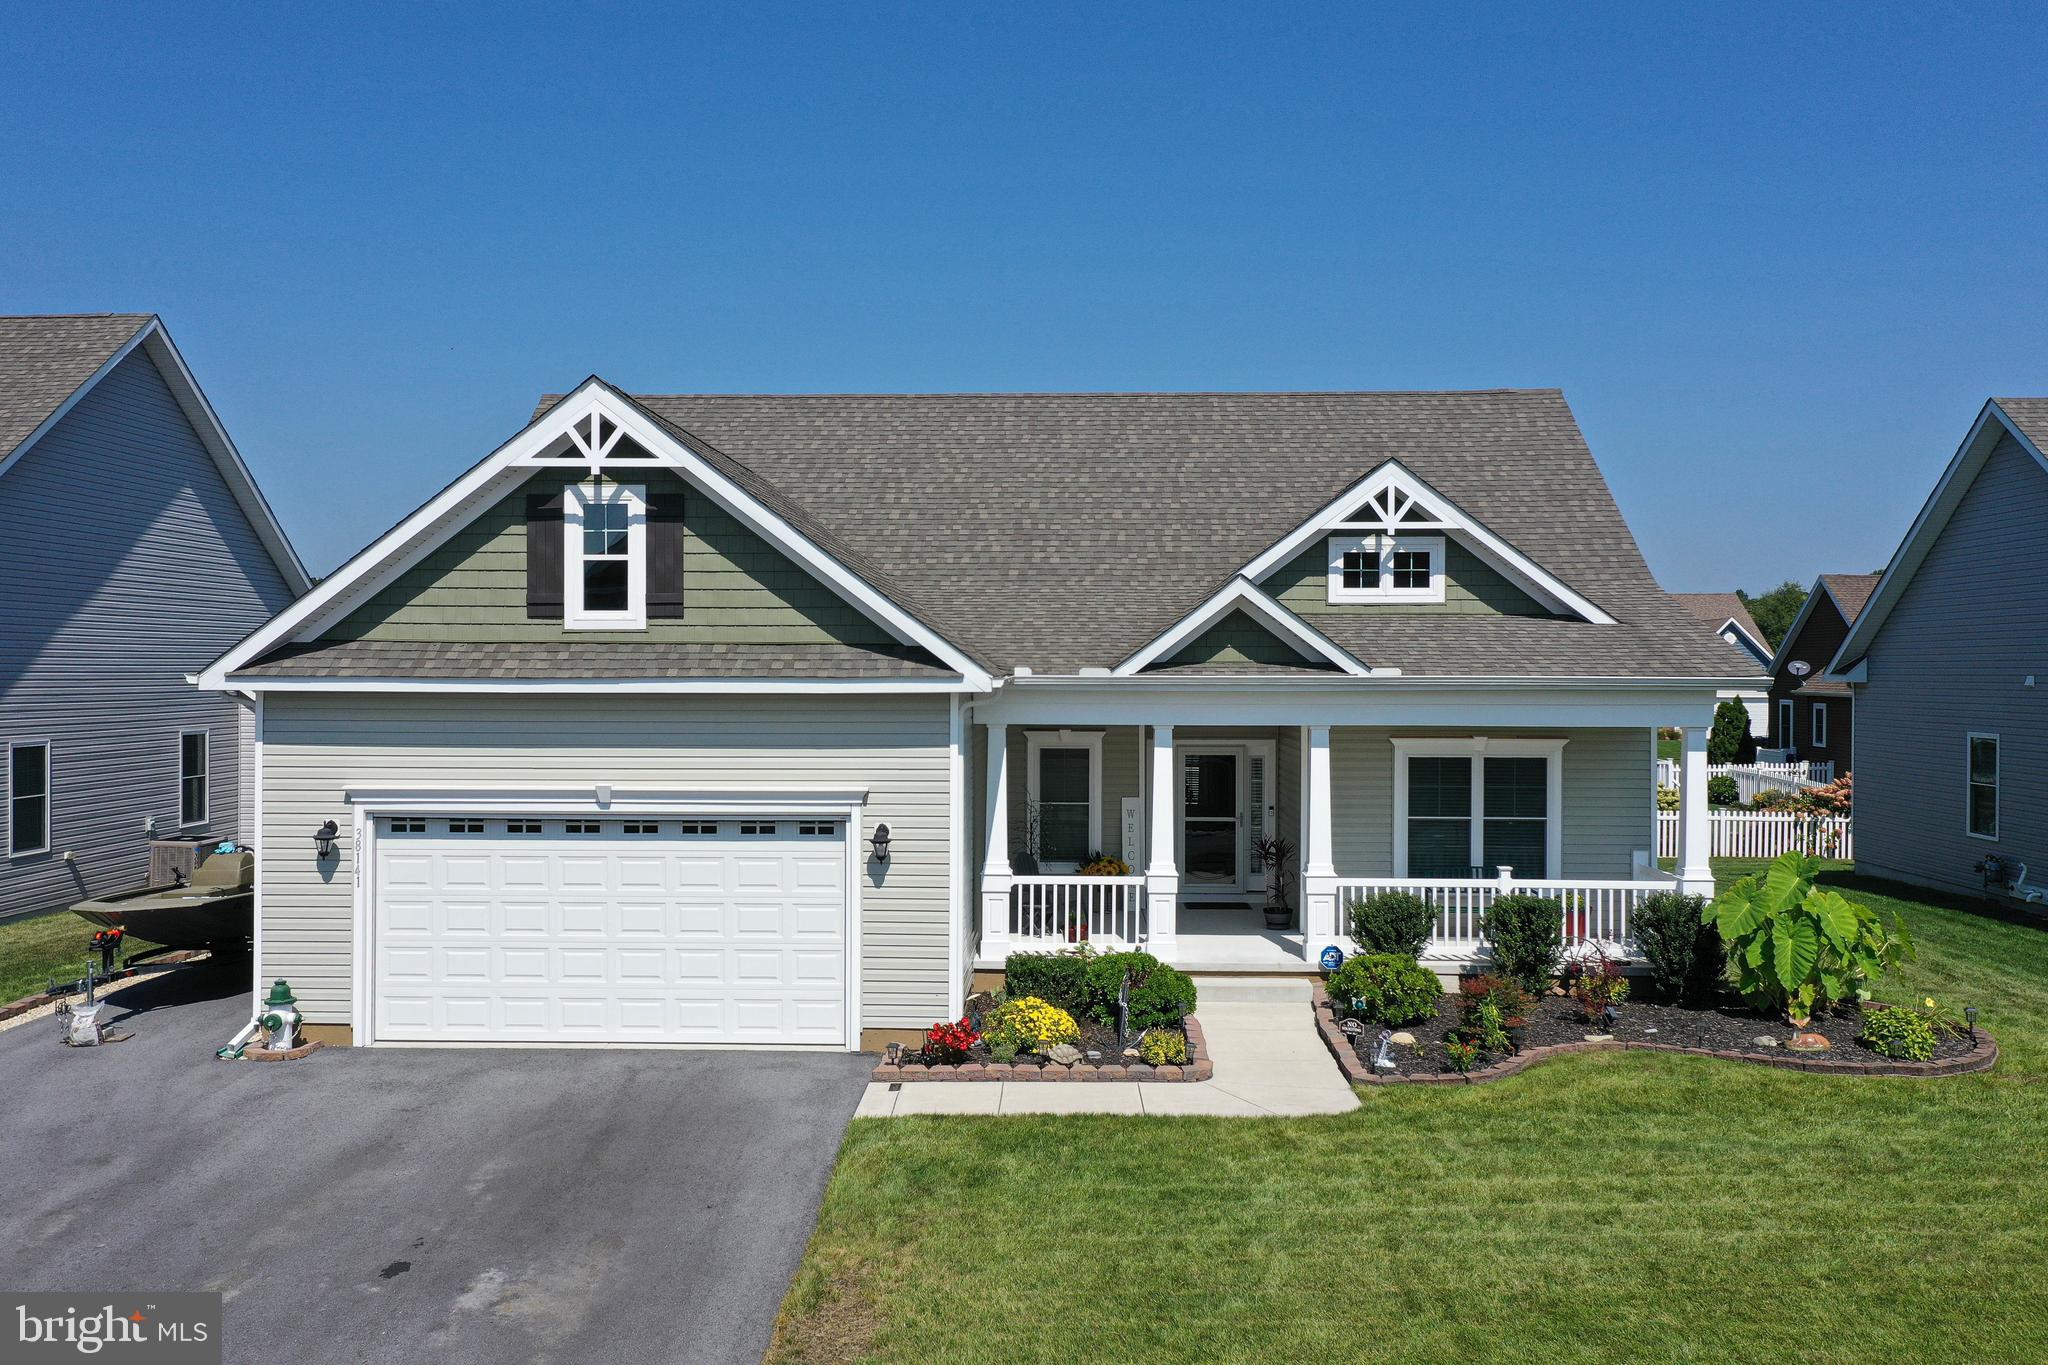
column 35, row 949
column 1608, row 1207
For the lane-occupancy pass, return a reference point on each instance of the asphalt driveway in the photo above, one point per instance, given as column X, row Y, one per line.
column 411, row 1204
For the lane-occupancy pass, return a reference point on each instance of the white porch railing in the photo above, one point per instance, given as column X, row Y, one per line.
column 1596, row 912
column 1047, row 912
column 1764, row 834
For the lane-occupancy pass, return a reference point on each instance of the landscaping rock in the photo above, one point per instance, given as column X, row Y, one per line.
column 1403, row 1039
column 1764, row 1040
column 1063, row 1054
column 1599, row 1037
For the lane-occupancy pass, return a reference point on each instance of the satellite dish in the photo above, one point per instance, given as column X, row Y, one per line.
column 1799, row 668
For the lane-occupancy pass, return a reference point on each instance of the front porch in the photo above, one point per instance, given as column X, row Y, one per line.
column 1458, row 818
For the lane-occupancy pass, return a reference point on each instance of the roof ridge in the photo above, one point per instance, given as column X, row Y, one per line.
column 1123, row 393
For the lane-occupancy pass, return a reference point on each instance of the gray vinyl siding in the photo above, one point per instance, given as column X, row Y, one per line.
column 737, row 588
column 1609, row 787
column 1472, row 587
column 318, row 746
column 1952, row 658
column 126, row 564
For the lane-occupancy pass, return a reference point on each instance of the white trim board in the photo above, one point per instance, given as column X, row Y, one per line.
column 156, row 342
column 1242, row 594
column 1992, row 426
column 443, row 515
column 1539, row 582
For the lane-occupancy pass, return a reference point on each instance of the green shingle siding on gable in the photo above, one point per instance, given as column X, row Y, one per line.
column 1238, row 639
column 737, row 588
column 1472, row 587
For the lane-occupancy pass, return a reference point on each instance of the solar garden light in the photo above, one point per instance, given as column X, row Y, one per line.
column 895, row 1051
column 1970, row 1013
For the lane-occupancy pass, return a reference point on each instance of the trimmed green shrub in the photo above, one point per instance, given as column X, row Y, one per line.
column 1105, row 974
column 1729, row 740
column 1166, row 996
column 1390, row 922
column 1385, row 988
column 1061, row 978
column 1685, row 956
column 1722, row 791
column 1163, row 1047
column 1527, row 935
column 1904, row 1035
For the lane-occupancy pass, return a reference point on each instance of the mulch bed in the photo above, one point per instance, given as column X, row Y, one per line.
column 1112, row 1066
column 1728, row 1031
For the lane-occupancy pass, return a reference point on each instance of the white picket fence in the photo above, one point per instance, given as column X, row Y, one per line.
column 1750, row 778
column 1763, row 834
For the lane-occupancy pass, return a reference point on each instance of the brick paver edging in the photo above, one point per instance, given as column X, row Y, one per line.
column 1198, row 1068
column 1979, row 1058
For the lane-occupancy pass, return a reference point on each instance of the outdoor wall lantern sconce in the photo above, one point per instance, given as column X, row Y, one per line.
column 323, row 839
column 881, row 843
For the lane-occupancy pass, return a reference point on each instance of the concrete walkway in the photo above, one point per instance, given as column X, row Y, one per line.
column 1269, row 1062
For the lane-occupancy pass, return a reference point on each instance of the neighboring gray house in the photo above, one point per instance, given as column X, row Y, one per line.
column 774, row 720
column 134, row 548
column 1949, row 665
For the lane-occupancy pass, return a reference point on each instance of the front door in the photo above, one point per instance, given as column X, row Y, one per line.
column 1210, row 852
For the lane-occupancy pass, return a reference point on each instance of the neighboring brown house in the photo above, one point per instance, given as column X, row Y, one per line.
column 1812, row 718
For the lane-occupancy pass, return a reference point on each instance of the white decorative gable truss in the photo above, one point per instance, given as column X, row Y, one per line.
column 603, row 429
column 1393, row 501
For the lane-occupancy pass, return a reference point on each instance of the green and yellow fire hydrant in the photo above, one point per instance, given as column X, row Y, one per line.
column 280, row 1018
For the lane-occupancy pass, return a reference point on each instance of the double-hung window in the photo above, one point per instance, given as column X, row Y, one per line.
column 1469, row 807
column 1065, row 798
column 1785, row 740
column 192, row 758
column 1386, row 567
column 1982, row 758
column 605, row 557
column 1818, row 728
column 28, row 798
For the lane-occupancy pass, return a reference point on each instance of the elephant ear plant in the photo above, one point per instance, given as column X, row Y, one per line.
column 1799, row 948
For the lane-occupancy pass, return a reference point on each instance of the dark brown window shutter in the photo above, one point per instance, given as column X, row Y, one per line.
column 544, row 556
column 665, row 554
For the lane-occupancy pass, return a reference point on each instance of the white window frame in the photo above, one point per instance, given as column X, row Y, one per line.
column 1478, row 748
column 205, row 775
column 1788, row 711
column 1817, row 725
column 1386, row 544
column 49, row 796
column 580, row 498
column 1997, row 785
column 1036, row 742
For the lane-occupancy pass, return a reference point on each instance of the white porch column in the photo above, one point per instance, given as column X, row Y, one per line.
column 1318, row 855
column 1695, row 873
column 995, row 866
column 1162, row 876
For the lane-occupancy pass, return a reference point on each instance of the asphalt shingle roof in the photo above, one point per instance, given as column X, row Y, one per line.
column 1716, row 607
column 2030, row 415
column 1851, row 591
column 44, row 360
column 573, row 658
column 1062, row 531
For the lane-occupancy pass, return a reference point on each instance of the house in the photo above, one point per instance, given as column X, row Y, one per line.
column 1949, row 665
column 1727, row 615
column 1812, row 716
column 771, row 720
column 134, row 548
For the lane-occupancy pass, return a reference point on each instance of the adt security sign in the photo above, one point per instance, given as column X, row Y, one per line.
column 1332, row 958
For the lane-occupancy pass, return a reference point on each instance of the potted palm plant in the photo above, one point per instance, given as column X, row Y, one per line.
column 1276, row 855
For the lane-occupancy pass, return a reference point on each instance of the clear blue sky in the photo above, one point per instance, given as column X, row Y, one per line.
column 1776, row 258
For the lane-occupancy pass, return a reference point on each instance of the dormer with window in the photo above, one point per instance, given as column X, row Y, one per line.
column 604, row 555
column 1386, row 567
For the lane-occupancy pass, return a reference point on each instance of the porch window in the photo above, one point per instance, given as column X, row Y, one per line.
column 1439, row 817
column 1469, row 807
column 1064, row 817
column 1983, row 786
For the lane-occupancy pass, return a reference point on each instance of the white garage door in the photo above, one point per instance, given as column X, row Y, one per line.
column 610, row 930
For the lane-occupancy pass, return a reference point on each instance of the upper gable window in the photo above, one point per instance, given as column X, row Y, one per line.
column 1386, row 567
column 605, row 558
